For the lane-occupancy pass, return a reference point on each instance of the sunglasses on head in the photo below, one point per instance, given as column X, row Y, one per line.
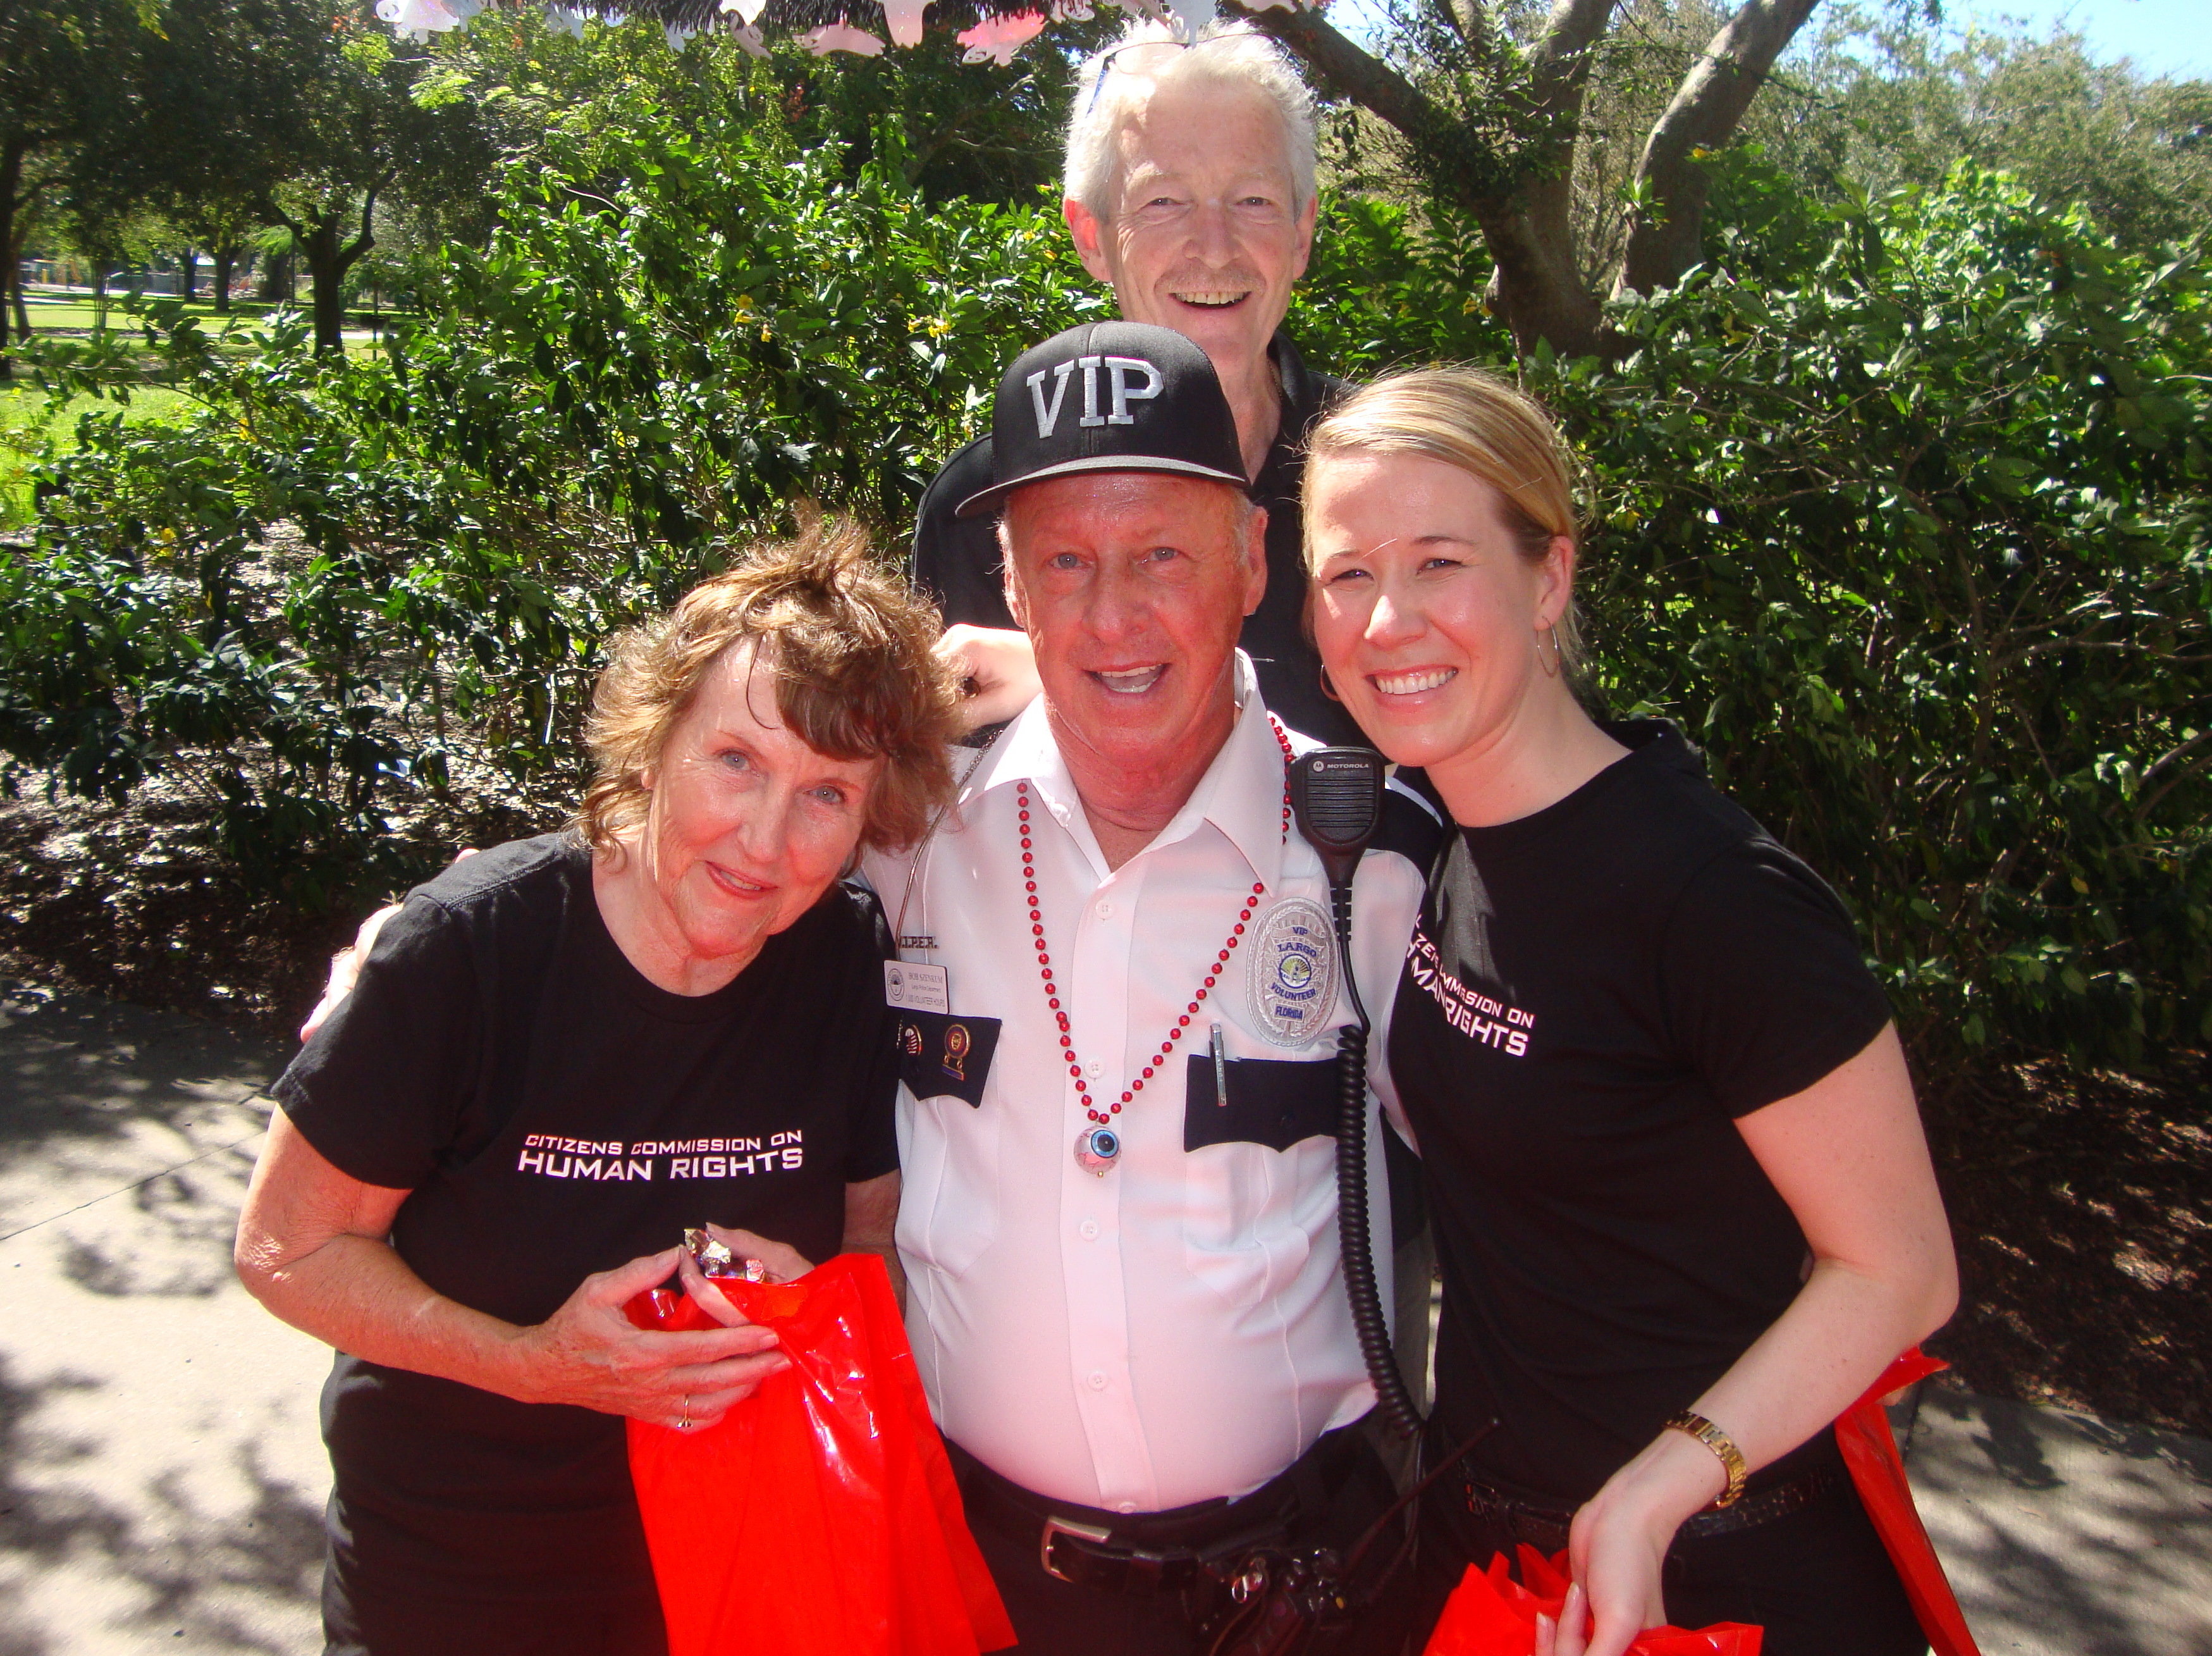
column 1145, row 59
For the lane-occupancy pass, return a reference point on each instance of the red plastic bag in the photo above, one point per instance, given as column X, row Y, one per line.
column 1490, row 1614
column 819, row 1517
column 1870, row 1452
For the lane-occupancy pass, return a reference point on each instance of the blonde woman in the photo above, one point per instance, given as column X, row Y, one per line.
column 558, row 1054
column 1682, row 1198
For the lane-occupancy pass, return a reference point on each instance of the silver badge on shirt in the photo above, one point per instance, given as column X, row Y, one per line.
column 1290, row 971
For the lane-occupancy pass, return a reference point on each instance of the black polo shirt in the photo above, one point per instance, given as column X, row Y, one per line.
column 956, row 560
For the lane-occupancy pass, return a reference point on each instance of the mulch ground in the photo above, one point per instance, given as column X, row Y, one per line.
column 2082, row 1205
column 2082, row 1201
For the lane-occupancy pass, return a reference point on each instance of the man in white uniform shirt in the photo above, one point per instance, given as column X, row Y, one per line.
column 1124, row 1295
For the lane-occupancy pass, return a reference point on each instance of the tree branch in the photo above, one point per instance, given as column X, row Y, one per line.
column 1351, row 68
column 1560, row 63
column 1707, row 107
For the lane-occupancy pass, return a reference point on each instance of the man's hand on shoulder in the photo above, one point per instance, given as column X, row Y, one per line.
column 998, row 671
column 345, row 965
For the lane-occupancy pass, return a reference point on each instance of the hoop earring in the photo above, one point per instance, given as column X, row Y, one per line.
column 1552, row 671
column 1329, row 689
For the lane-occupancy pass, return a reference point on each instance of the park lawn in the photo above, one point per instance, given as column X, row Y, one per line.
column 76, row 313
column 29, row 418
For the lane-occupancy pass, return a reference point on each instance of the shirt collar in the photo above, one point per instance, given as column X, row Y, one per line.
column 1304, row 392
column 1241, row 793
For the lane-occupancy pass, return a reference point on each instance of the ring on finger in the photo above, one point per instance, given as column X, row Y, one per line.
column 684, row 1418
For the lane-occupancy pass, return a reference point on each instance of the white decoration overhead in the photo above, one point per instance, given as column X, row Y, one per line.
column 417, row 19
column 840, row 37
column 565, row 20
column 1070, row 11
column 749, row 39
column 749, row 11
column 905, row 19
column 999, row 37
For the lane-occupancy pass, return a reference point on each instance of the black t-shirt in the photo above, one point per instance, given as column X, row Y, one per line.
column 554, row 1113
column 956, row 560
column 1595, row 993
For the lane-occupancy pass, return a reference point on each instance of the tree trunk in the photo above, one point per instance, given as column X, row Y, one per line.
column 1706, row 108
column 225, row 261
column 330, row 256
column 1523, row 204
column 11, row 179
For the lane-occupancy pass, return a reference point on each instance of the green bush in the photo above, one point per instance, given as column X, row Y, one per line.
column 675, row 332
column 1900, row 510
column 1917, row 541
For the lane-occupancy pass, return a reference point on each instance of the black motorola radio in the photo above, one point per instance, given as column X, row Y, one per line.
column 1336, row 793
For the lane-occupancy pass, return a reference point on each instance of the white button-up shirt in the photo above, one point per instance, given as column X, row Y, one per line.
column 1175, row 1330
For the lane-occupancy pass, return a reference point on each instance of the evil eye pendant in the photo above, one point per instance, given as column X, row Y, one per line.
column 1097, row 1148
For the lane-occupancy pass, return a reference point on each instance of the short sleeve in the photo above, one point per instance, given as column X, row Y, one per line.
column 1765, row 988
column 378, row 1092
column 873, row 1135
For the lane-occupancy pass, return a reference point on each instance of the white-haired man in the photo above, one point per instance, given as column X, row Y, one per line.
column 1189, row 187
column 1119, row 995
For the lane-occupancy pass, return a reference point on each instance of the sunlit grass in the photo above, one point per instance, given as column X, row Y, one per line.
column 30, row 421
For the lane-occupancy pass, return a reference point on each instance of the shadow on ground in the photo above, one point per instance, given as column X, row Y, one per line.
column 162, row 1568
column 2066, row 1536
column 2082, row 1208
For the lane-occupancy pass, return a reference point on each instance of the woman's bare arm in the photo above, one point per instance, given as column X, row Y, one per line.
column 871, row 1217
column 1848, row 1156
column 312, row 1247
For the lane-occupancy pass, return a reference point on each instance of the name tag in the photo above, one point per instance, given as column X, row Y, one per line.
column 908, row 987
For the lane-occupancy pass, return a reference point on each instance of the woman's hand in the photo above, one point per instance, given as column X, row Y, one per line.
column 1619, row 1541
column 998, row 671
column 345, row 965
column 313, row 1247
column 784, row 1264
column 589, row 1354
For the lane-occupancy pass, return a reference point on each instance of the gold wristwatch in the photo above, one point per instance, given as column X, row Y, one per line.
column 1722, row 1445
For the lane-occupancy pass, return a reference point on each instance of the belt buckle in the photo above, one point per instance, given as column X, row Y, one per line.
column 1054, row 1526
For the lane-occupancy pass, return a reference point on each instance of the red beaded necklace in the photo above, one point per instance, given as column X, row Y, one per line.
column 1220, row 960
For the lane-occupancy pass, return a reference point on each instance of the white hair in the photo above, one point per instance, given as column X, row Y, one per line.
column 1107, row 98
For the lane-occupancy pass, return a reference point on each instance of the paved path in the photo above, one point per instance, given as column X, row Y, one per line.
column 160, row 1479
column 161, row 1483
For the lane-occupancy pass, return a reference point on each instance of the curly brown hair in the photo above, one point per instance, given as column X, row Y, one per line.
column 850, row 649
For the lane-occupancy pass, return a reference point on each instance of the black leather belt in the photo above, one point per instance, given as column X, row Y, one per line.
column 1546, row 1528
column 1153, row 1552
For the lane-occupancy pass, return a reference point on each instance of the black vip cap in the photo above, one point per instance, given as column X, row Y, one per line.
column 1109, row 397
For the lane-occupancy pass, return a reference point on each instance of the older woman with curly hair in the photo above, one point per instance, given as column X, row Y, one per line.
column 564, row 1051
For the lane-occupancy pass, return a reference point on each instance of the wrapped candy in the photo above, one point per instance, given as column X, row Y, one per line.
column 833, row 1469
column 1490, row 1614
